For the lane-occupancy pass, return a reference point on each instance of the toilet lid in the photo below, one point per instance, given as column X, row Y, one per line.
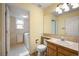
column 41, row 46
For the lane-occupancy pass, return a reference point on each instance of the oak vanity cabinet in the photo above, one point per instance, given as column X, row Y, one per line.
column 66, row 52
column 57, row 50
column 51, row 50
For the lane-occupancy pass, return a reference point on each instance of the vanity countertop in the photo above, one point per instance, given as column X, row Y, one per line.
column 68, row 44
column 47, row 36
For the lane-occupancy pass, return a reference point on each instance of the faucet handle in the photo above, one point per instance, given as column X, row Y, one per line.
column 36, row 41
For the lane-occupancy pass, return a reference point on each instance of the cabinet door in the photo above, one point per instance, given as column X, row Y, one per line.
column 51, row 52
column 60, row 54
column 66, row 52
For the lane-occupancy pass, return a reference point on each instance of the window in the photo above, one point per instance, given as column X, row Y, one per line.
column 19, row 24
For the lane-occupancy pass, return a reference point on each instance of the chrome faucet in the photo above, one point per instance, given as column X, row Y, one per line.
column 62, row 38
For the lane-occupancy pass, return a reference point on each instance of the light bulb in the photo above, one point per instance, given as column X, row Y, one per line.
column 75, row 5
column 58, row 10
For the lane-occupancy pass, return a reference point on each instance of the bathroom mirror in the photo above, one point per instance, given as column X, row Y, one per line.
column 72, row 26
column 69, row 26
column 65, row 26
column 67, row 23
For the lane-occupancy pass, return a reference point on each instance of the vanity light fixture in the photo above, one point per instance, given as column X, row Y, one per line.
column 25, row 16
column 65, row 7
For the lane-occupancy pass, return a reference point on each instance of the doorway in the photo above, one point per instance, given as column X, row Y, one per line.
column 17, row 24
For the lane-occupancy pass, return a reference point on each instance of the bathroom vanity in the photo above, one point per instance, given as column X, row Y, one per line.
column 56, row 47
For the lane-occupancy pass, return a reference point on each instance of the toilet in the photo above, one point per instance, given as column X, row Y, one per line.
column 41, row 48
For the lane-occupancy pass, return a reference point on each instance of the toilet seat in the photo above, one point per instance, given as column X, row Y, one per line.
column 41, row 46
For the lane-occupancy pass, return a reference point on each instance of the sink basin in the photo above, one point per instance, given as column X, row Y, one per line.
column 69, row 42
column 65, row 42
column 62, row 41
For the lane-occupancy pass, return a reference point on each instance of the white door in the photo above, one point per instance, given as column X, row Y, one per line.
column 7, row 31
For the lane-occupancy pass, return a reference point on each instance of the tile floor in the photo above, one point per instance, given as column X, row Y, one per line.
column 17, row 50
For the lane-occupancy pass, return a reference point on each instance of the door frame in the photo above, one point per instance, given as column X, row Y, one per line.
column 7, row 30
column 3, row 30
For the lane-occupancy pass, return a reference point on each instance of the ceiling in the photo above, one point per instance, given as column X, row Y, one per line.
column 17, row 12
column 43, row 5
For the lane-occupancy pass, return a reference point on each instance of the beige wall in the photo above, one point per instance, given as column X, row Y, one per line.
column 12, row 30
column 36, row 23
column 0, row 28
column 47, row 23
column 48, row 16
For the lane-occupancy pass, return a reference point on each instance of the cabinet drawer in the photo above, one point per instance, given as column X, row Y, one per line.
column 52, row 46
column 51, row 52
column 65, row 52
